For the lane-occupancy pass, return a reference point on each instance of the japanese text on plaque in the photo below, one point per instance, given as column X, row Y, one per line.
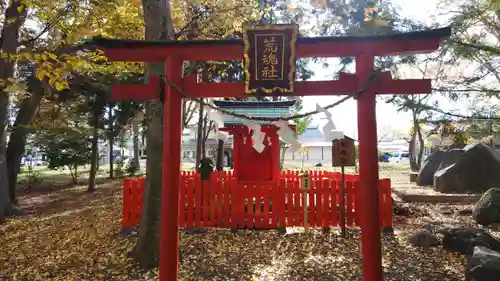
column 270, row 59
column 343, row 152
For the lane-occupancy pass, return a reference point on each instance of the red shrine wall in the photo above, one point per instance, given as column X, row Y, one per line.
column 249, row 164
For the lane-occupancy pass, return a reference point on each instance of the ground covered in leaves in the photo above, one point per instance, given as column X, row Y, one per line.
column 73, row 235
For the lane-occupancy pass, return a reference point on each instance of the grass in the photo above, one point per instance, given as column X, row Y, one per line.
column 42, row 175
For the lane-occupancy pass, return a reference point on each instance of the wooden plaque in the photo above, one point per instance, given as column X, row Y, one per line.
column 269, row 58
column 343, row 153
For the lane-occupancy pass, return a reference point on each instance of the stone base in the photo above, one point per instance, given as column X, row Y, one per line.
column 412, row 193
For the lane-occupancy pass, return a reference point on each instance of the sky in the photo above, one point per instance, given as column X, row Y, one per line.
column 388, row 119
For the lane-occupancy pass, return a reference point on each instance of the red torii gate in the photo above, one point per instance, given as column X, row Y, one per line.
column 364, row 49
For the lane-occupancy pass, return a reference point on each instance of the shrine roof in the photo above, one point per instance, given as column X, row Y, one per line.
column 120, row 43
column 271, row 109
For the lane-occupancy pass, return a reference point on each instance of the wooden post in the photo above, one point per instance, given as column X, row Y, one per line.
column 199, row 137
column 342, row 200
column 368, row 173
column 172, row 129
column 304, row 186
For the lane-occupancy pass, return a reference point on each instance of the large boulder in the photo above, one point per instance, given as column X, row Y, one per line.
column 483, row 265
column 463, row 240
column 450, row 158
column 426, row 175
column 434, row 162
column 423, row 238
column 487, row 209
column 476, row 171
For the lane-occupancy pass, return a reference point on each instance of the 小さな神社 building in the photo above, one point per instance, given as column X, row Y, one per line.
column 250, row 164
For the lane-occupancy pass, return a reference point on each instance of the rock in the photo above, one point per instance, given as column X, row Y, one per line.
column 426, row 175
column 476, row 171
column 401, row 210
column 452, row 156
column 483, row 265
column 434, row 162
column 423, row 238
column 405, row 209
column 487, row 209
column 463, row 240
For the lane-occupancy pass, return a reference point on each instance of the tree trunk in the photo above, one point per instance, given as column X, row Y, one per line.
column 15, row 15
column 111, row 142
column 95, row 154
column 188, row 109
column 208, row 126
column 122, row 146
column 75, row 179
column 159, row 26
column 416, row 159
column 204, row 139
column 143, row 139
column 7, row 208
column 421, row 144
column 220, row 156
column 199, row 136
column 19, row 135
column 411, row 153
column 135, row 141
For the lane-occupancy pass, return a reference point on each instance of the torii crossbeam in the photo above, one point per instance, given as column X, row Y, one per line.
column 364, row 49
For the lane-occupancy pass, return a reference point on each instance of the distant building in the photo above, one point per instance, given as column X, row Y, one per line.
column 318, row 149
column 189, row 150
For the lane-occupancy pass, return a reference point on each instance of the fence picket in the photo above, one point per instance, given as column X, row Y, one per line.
column 311, row 206
column 265, row 207
column 135, row 217
column 197, row 201
column 250, row 205
column 126, row 204
column 349, row 204
column 228, row 220
column 319, row 202
column 357, row 204
column 217, row 187
column 326, row 202
column 336, row 216
column 190, row 182
column 258, row 187
column 279, row 203
column 289, row 203
column 211, row 199
column 182, row 200
column 298, row 211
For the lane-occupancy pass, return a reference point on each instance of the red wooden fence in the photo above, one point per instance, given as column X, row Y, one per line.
column 225, row 203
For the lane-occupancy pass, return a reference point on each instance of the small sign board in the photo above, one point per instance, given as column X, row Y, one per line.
column 305, row 181
column 343, row 152
column 269, row 58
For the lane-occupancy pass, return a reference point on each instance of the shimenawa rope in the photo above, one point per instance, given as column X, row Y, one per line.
column 186, row 95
